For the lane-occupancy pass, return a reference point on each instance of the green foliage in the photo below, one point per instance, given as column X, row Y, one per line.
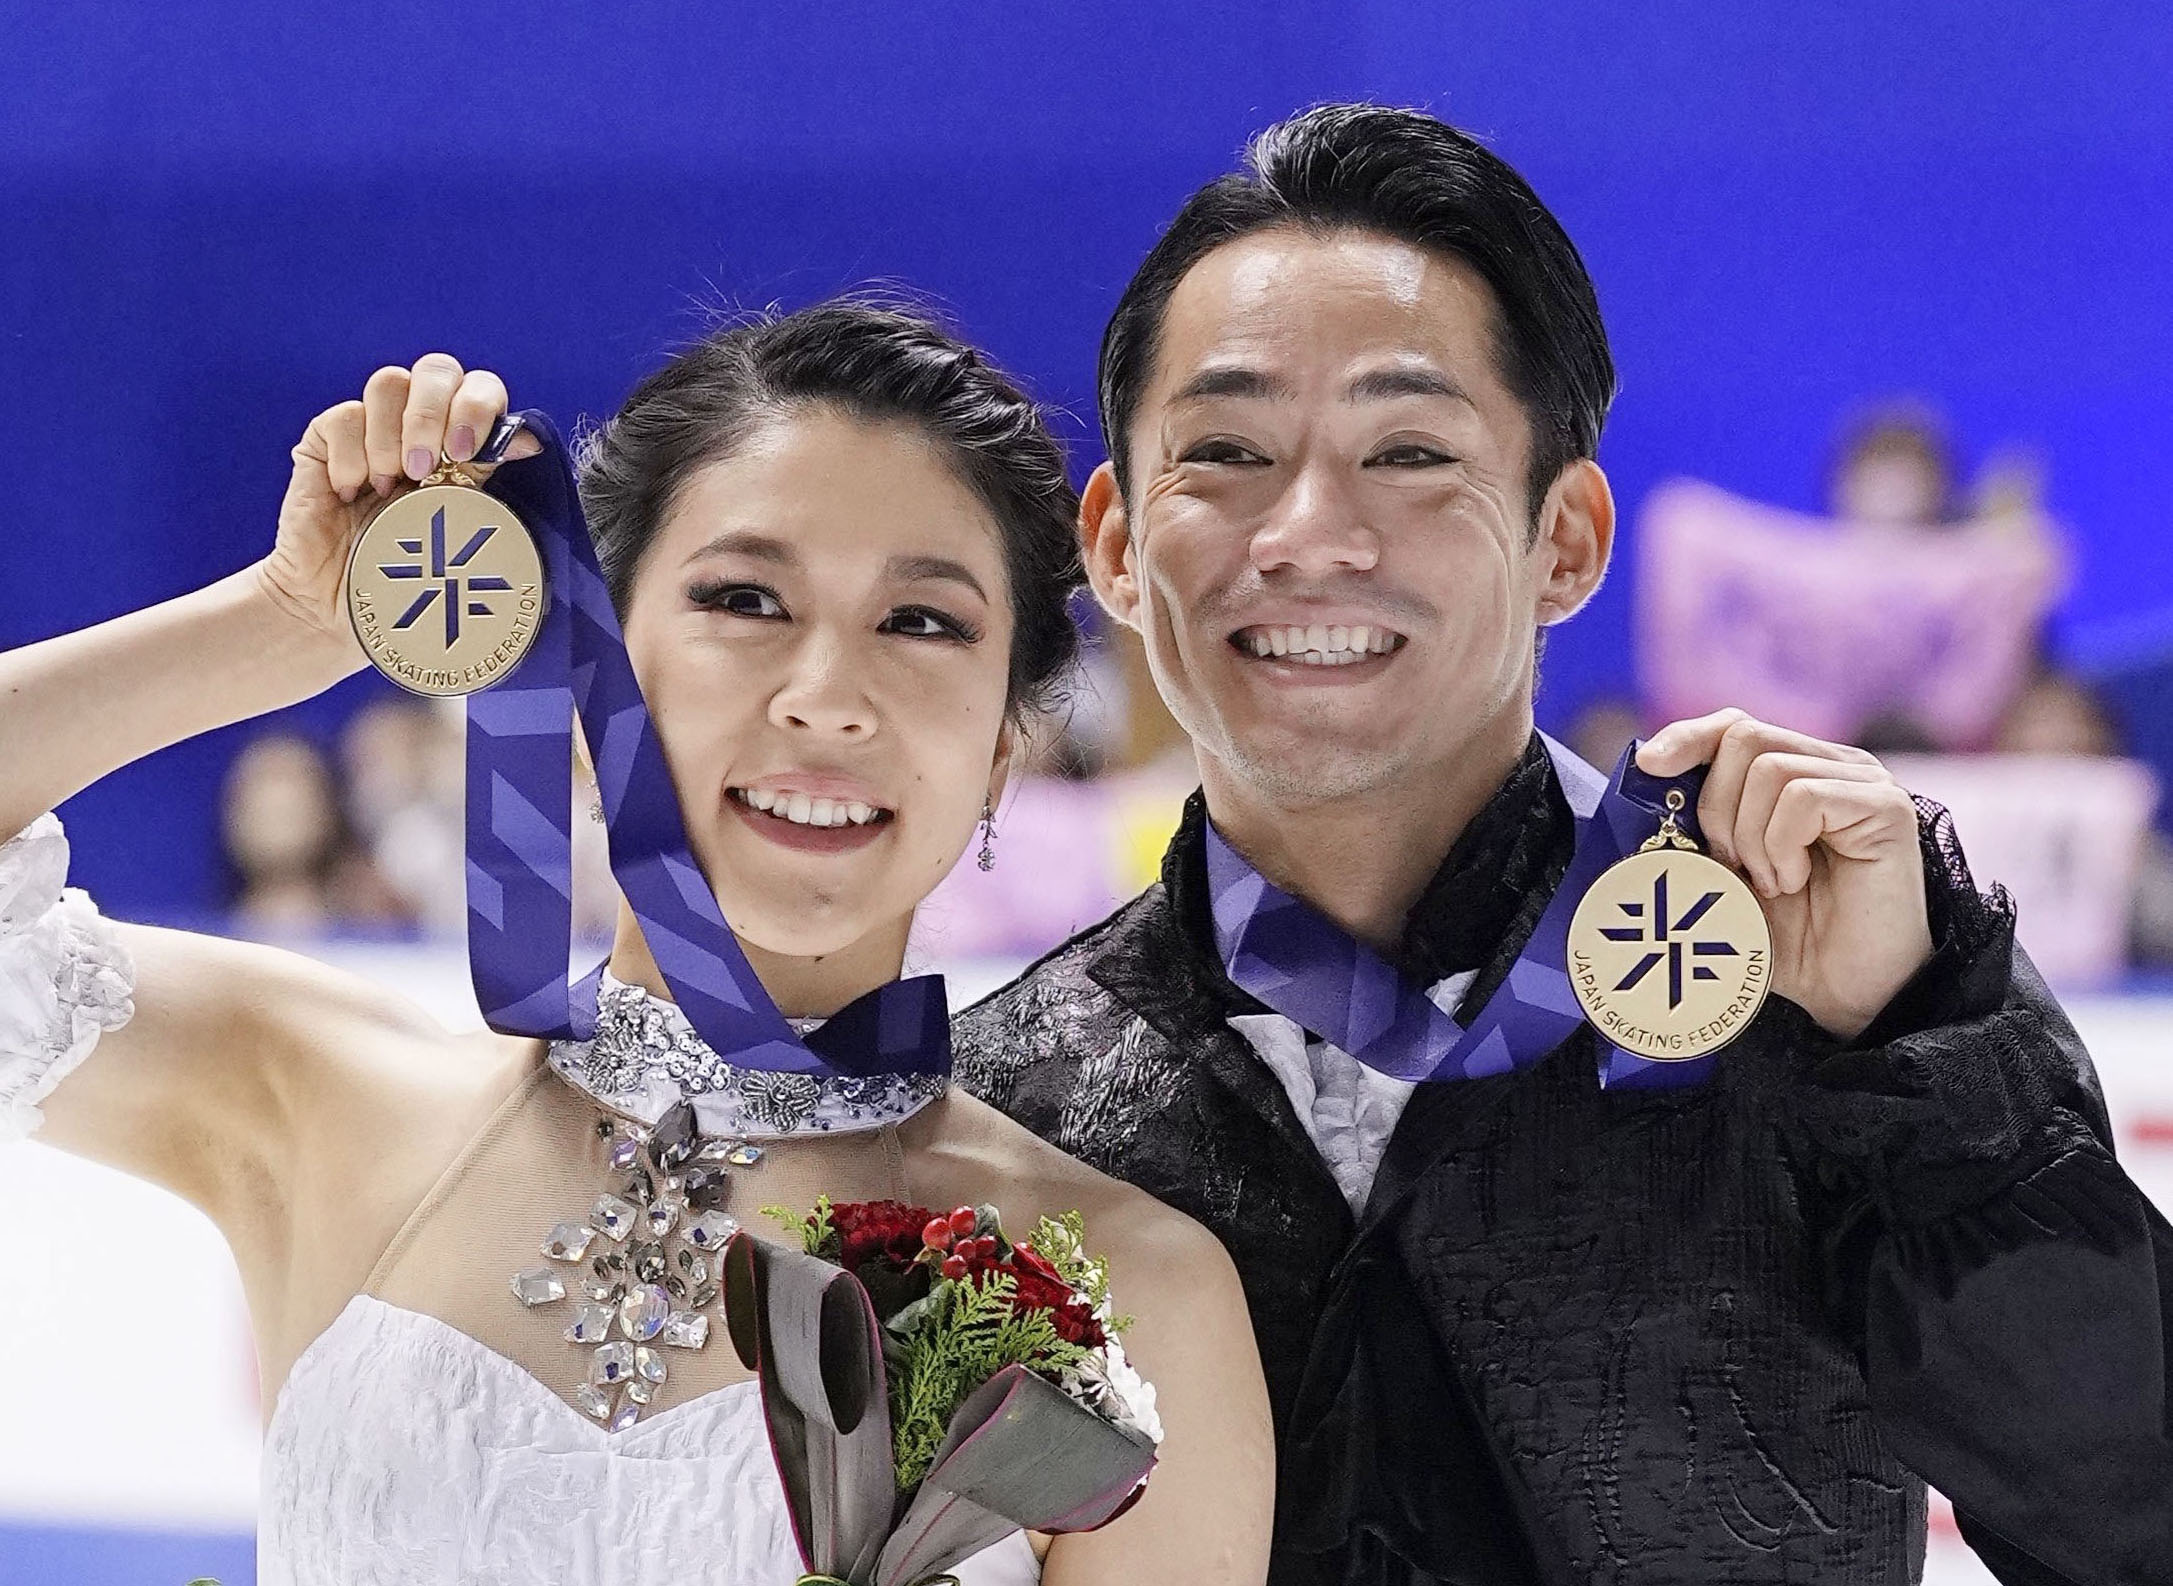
column 951, row 1343
column 1062, row 1243
column 817, row 1234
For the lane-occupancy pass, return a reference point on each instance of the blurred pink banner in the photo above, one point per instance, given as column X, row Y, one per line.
column 2064, row 834
column 1820, row 626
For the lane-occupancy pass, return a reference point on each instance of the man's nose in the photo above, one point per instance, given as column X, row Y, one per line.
column 824, row 690
column 1315, row 526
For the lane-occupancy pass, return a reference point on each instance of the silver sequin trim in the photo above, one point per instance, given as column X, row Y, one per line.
column 645, row 1051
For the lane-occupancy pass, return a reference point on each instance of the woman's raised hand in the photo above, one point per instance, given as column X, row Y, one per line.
column 357, row 456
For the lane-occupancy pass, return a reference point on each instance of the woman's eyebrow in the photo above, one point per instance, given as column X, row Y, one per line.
column 744, row 542
column 914, row 569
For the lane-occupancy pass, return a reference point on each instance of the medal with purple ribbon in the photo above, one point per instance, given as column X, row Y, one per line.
column 1303, row 965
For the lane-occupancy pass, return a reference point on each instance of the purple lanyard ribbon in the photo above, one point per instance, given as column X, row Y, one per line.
column 520, row 836
column 1303, row 965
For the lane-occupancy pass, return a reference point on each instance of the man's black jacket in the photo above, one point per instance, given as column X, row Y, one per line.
column 1718, row 1334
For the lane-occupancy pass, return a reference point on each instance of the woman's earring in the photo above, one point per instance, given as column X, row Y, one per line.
column 596, row 809
column 988, row 834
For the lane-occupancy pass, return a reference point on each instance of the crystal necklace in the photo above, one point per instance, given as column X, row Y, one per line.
column 645, row 1259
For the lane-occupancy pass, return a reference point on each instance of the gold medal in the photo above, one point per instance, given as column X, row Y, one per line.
column 1669, row 951
column 445, row 587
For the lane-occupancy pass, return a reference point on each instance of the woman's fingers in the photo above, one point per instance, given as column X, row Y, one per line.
column 412, row 417
column 384, row 400
column 431, row 386
column 346, row 459
column 476, row 404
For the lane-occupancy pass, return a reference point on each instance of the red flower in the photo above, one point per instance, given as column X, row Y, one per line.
column 867, row 1229
column 1074, row 1319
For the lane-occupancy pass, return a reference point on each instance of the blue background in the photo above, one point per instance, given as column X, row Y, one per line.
column 221, row 216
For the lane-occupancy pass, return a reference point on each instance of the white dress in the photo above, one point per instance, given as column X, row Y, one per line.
column 401, row 1450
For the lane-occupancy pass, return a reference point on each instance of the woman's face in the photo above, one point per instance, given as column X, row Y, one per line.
column 822, row 628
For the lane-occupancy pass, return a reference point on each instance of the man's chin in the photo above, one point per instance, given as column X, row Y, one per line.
column 1316, row 768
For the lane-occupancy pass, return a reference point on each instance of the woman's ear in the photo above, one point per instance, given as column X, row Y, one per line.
column 1576, row 537
column 1008, row 739
column 1105, row 543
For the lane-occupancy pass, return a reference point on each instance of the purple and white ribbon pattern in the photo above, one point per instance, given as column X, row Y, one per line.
column 1303, row 965
column 520, row 845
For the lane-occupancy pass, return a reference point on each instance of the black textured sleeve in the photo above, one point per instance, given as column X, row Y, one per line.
column 2008, row 1286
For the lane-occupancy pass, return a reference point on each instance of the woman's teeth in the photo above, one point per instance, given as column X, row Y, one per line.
column 803, row 810
column 1320, row 645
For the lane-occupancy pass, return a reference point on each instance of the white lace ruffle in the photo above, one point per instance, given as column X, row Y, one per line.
column 65, row 978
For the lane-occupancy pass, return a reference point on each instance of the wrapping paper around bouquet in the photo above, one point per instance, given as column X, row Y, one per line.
column 1019, row 1453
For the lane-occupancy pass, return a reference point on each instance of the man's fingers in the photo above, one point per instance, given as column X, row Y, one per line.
column 1681, row 745
column 1765, row 780
column 384, row 401
column 1728, row 741
column 1855, row 818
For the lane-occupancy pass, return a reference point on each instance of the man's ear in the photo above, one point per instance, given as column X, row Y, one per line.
column 1576, row 537
column 1105, row 543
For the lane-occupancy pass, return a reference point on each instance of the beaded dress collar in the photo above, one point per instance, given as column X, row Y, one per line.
column 645, row 1057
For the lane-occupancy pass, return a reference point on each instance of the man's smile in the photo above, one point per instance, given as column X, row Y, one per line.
column 1317, row 643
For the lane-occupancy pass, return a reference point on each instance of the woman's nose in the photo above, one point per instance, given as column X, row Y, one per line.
column 825, row 692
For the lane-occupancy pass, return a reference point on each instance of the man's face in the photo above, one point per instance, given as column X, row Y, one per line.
column 1330, row 549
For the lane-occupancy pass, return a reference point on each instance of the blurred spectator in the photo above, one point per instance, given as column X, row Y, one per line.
column 294, row 863
column 1895, row 468
column 403, row 760
column 2058, row 715
column 1894, row 732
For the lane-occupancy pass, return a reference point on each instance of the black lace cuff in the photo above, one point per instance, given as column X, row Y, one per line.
column 1973, row 937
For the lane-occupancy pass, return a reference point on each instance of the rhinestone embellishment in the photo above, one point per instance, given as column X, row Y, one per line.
column 644, row 1262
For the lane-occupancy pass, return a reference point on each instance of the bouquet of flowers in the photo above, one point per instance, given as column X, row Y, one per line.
column 931, row 1386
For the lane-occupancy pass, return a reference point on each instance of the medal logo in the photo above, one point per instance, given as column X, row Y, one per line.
column 1669, row 952
column 445, row 588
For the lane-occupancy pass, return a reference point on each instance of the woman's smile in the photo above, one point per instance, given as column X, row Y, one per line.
column 817, row 815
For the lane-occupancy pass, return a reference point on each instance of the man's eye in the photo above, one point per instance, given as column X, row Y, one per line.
column 738, row 600
column 925, row 622
column 1222, row 451
column 1409, row 455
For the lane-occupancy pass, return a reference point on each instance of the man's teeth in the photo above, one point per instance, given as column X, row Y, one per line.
column 803, row 810
column 1320, row 644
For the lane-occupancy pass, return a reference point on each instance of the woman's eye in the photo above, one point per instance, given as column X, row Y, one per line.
column 1409, row 454
column 924, row 622
column 1222, row 451
column 738, row 600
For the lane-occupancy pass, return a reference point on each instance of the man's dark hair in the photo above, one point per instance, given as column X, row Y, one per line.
column 1405, row 175
column 869, row 359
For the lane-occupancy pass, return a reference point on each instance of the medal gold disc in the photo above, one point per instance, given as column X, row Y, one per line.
column 445, row 590
column 1670, row 955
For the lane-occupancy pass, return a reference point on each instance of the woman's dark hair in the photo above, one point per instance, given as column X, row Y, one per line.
column 1405, row 175
column 868, row 360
